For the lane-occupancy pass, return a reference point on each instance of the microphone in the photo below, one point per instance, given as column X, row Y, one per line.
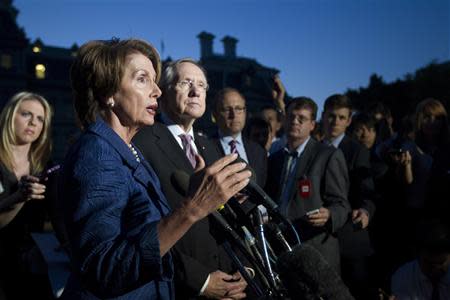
column 254, row 189
column 276, row 231
column 305, row 272
column 180, row 180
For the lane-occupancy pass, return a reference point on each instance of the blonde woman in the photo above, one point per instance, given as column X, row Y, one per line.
column 24, row 151
column 25, row 147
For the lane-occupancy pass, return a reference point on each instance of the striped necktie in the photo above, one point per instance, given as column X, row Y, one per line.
column 233, row 148
column 186, row 140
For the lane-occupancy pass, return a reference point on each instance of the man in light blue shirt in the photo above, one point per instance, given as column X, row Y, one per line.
column 230, row 113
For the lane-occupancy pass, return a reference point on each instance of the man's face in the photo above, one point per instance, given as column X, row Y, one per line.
column 434, row 266
column 365, row 135
column 231, row 114
column 186, row 98
column 299, row 124
column 336, row 121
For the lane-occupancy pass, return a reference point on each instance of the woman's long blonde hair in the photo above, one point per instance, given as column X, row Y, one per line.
column 40, row 149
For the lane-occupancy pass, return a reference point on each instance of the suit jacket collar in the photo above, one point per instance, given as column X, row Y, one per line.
column 304, row 162
column 103, row 130
column 346, row 147
column 306, row 157
column 168, row 145
column 141, row 171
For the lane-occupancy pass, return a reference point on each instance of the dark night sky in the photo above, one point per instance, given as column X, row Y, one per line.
column 320, row 46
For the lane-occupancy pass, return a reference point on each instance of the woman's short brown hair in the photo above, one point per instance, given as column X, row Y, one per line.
column 97, row 72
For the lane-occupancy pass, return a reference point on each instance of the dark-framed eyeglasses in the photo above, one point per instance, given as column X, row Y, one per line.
column 300, row 119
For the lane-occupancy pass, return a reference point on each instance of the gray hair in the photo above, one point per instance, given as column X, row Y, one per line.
column 169, row 74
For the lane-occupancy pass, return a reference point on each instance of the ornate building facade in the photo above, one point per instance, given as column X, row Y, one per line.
column 43, row 69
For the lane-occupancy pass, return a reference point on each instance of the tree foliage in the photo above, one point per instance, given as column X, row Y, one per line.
column 402, row 95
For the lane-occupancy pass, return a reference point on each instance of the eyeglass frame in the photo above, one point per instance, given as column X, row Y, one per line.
column 188, row 84
column 238, row 110
column 301, row 119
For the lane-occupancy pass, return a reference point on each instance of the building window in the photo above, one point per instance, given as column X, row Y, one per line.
column 40, row 71
column 6, row 61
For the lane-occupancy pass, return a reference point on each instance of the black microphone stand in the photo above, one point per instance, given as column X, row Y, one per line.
column 251, row 283
column 231, row 237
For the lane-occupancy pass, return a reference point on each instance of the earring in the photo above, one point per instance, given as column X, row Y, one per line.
column 110, row 103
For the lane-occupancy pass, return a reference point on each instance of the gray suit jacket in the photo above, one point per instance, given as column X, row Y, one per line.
column 326, row 169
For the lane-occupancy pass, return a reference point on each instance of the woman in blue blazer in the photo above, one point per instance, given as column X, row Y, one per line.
column 118, row 222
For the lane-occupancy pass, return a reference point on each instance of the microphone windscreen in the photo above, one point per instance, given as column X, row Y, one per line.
column 180, row 181
column 305, row 271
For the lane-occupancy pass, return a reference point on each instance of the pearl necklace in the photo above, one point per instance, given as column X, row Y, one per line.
column 134, row 152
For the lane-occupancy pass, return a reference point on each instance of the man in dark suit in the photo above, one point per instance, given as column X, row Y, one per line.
column 230, row 114
column 309, row 181
column 202, row 268
column 354, row 239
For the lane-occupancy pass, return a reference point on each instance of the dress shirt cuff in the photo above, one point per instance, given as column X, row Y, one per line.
column 204, row 286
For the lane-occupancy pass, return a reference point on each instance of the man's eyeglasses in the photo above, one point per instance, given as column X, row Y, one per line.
column 300, row 119
column 236, row 110
column 187, row 84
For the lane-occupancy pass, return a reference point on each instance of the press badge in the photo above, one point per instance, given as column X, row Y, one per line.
column 304, row 187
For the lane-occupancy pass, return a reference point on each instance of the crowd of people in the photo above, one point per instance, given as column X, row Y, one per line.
column 135, row 203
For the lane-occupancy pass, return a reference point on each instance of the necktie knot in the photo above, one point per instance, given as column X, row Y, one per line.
column 186, row 140
column 233, row 148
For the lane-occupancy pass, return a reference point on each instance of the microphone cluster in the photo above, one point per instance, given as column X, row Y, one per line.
column 298, row 271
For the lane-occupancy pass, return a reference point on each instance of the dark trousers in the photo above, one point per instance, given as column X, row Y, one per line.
column 355, row 272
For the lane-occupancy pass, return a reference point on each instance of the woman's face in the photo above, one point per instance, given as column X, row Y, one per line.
column 29, row 121
column 135, row 101
column 432, row 124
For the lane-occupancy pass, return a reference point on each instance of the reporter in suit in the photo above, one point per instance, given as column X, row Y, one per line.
column 354, row 241
column 230, row 114
column 202, row 268
column 308, row 175
column 118, row 221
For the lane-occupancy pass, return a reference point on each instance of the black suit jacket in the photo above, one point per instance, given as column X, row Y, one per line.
column 325, row 167
column 256, row 155
column 355, row 242
column 197, row 253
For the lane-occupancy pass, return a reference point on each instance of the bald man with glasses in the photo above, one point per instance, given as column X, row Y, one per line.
column 230, row 113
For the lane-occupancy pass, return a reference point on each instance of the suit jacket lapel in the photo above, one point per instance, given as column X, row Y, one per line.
column 202, row 151
column 172, row 150
column 155, row 188
column 141, row 171
column 250, row 156
column 345, row 146
column 304, row 162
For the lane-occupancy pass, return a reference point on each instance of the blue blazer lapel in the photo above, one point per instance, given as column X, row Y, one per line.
column 141, row 171
column 145, row 174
